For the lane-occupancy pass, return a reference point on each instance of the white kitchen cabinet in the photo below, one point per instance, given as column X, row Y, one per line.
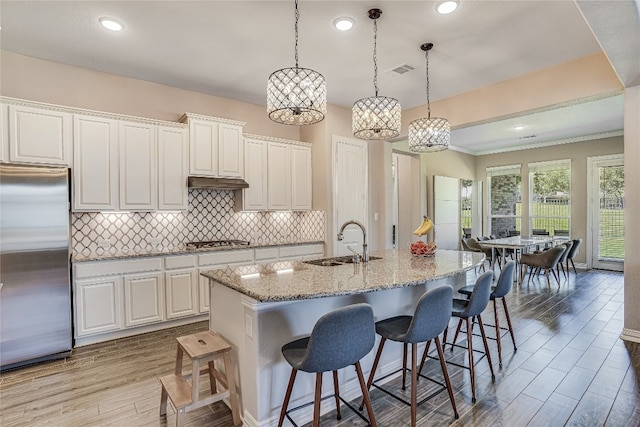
column 4, row 133
column 300, row 178
column 143, row 299
column 98, row 305
column 215, row 146
column 203, row 291
column 173, row 168
column 255, row 198
column 230, row 151
column 181, row 293
column 138, row 166
column 216, row 261
column 181, row 286
column 39, row 135
column 95, row 164
column 279, row 176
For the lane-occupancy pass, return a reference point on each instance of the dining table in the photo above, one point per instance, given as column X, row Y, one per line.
column 519, row 244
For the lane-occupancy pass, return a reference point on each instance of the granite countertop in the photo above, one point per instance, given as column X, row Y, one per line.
column 180, row 249
column 288, row 281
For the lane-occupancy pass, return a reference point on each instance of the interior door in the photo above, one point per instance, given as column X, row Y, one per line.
column 406, row 198
column 446, row 221
column 350, row 192
column 607, row 213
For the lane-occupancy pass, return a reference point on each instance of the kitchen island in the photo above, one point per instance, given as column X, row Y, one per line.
column 261, row 307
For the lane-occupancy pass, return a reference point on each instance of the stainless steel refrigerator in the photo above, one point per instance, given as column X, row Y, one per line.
column 35, row 286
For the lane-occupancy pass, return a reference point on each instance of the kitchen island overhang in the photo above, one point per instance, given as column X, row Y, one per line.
column 261, row 307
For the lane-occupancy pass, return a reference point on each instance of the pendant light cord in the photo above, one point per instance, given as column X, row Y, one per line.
column 296, row 29
column 428, row 102
column 375, row 59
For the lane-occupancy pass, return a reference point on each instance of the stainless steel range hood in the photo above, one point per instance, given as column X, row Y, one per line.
column 217, row 183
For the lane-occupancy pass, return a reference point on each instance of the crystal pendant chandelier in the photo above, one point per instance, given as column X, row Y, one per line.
column 377, row 117
column 431, row 133
column 296, row 96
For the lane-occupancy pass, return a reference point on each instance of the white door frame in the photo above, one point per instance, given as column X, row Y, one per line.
column 592, row 164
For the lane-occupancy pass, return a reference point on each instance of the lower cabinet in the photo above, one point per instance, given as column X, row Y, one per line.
column 143, row 299
column 181, row 293
column 97, row 305
column 117, row 298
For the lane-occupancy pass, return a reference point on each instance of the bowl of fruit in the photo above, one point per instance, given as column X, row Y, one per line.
column 423, row 249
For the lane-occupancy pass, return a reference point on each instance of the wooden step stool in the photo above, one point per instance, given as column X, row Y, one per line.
column 202, row 348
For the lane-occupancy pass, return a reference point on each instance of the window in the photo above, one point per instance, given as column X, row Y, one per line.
column 550, row 198
column 505, row 191
column 466, row 206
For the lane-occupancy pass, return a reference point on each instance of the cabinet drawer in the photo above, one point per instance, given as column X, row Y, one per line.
column 266, row 253
column 301, row 250
column 183, row 261
column 230, row 257
column 107, row 268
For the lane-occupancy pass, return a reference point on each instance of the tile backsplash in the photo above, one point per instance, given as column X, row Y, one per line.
column 211, row 216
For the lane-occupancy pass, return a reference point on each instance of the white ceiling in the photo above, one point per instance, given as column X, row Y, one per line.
column 229, row 48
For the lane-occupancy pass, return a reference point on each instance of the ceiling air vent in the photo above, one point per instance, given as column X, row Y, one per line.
column 401, row 69
column 527, row 136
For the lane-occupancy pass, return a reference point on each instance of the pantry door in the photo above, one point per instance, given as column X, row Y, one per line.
column 350, row 181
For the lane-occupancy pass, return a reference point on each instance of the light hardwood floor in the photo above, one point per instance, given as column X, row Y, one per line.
column 570, row 368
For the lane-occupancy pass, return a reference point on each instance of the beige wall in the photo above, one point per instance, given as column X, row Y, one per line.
column 631, row 224
column 577, row 153
column 581, row 78
column 37, row 80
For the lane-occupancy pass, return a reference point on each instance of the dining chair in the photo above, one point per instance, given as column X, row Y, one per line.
column 546, row 259
column 572, row 253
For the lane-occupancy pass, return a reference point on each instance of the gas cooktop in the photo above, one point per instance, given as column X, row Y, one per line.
column 217, row 244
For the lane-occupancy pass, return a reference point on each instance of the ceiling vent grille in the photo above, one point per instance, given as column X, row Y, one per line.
column 527, row 136
column 401, row 69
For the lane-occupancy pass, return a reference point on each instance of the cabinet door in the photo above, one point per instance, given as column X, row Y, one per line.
column 230, row 151
column 95, row 164
column 300, row 178
column 203, row 147
column 138, row 160
column 181, row 293
column 39, row 136
column 255, row 197
column 279, row 176
column 97, row 305
column 4, row 133
column 173, row 167
column 143, row 299
column 203, row 292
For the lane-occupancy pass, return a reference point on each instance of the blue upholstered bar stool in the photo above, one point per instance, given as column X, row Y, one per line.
column 339, row 338
column 468, row 310
column 502, row 288
column 430, row 318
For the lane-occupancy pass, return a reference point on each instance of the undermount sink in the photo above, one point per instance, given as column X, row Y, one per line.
column 335, row 261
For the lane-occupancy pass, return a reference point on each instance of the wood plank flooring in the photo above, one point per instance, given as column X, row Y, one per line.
column 570, row 369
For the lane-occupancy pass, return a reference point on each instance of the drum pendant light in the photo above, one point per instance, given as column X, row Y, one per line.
column 296, row 96
column 431, row 133
column 377, row 117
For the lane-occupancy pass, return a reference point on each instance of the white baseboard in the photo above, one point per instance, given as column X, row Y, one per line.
column 630, row 335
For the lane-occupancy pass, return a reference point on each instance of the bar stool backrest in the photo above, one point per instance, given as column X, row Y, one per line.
column 505, row 281
column 479, row 296
column 432, row 315
column 340, row 338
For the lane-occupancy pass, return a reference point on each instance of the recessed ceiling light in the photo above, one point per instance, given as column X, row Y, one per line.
column 446, row 6
column 519, row 127
column 344, row 23
column 111, row 24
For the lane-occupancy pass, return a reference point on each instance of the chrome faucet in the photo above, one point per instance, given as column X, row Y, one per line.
column 365, row 250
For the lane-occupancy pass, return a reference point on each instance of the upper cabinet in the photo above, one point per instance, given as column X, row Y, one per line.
column 38, row 135
column 138, row 161
column 173, row 168
column 95, row 160
column 215, row 146
column 279, row 175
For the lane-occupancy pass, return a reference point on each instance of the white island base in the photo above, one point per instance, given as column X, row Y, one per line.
column 258, row 314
